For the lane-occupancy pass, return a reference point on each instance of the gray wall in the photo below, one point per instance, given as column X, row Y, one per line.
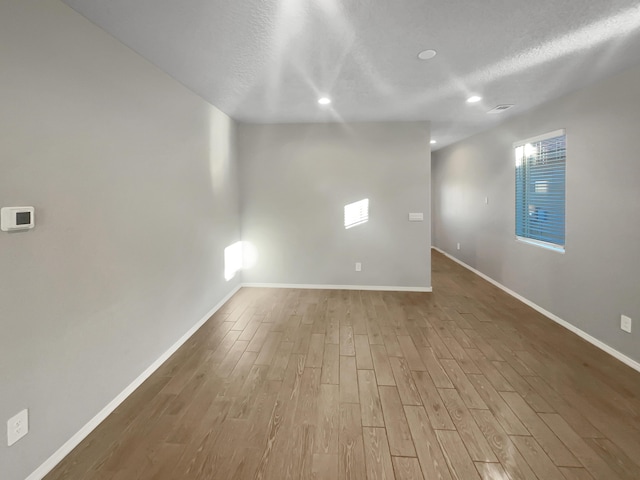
column 134, row 185
column 598, row 277
column 296, row 180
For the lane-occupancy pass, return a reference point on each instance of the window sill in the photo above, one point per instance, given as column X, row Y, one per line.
column 539, row 243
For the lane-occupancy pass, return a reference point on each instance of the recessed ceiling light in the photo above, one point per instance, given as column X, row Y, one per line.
column 324, row 101
column 427, row 54
column 432, row 142
column 474, row 99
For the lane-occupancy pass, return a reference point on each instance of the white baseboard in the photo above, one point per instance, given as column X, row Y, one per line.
column 70, row 444
column 339, row 287
column 581, row 333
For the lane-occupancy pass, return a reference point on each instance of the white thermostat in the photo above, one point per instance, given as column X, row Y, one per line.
column 16, row 218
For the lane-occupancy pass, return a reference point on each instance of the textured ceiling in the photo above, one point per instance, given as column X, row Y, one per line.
column 270, row 60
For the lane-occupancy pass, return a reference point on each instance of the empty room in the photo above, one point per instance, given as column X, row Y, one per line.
column 319, row 239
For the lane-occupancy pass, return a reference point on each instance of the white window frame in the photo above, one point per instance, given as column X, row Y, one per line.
column 532, row 241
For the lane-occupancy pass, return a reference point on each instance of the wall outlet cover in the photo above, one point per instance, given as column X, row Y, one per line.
column 17, row 427
column 625, row 323
column 358, row 267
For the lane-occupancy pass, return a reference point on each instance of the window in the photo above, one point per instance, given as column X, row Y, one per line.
column 540, row 190
column 356, row 213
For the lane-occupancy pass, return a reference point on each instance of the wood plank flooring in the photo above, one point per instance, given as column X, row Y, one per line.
column 464, row 383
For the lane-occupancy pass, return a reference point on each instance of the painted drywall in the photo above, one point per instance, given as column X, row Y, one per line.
column 598, row 278
column 134, row 184
column 295, row 181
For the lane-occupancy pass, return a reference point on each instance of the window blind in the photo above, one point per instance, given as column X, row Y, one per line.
column 540, row 189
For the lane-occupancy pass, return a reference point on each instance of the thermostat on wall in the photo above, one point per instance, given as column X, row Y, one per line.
column 16, row 218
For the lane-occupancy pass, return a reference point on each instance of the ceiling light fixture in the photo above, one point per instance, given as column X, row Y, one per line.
column 324, row 101
column 427, row 54
column 432, row 142
column 474, row 99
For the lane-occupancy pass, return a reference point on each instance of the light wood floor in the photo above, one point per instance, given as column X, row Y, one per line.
column 464, row 383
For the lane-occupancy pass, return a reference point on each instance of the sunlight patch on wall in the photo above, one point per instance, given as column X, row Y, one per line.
column 356, row 213
column 239, row 256
column 249, row 255
column 232, row 260
column 220, row 133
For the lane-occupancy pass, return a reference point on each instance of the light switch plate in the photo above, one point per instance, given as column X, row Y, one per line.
column 17, row 427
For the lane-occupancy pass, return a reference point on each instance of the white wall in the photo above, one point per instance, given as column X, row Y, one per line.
column 134, row 184
column 598, row 277
column 296, row 180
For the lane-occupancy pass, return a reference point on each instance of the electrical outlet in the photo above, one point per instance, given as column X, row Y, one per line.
column 625, row 323
column 358, row 267
column 17, row 427
column 458, row 246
